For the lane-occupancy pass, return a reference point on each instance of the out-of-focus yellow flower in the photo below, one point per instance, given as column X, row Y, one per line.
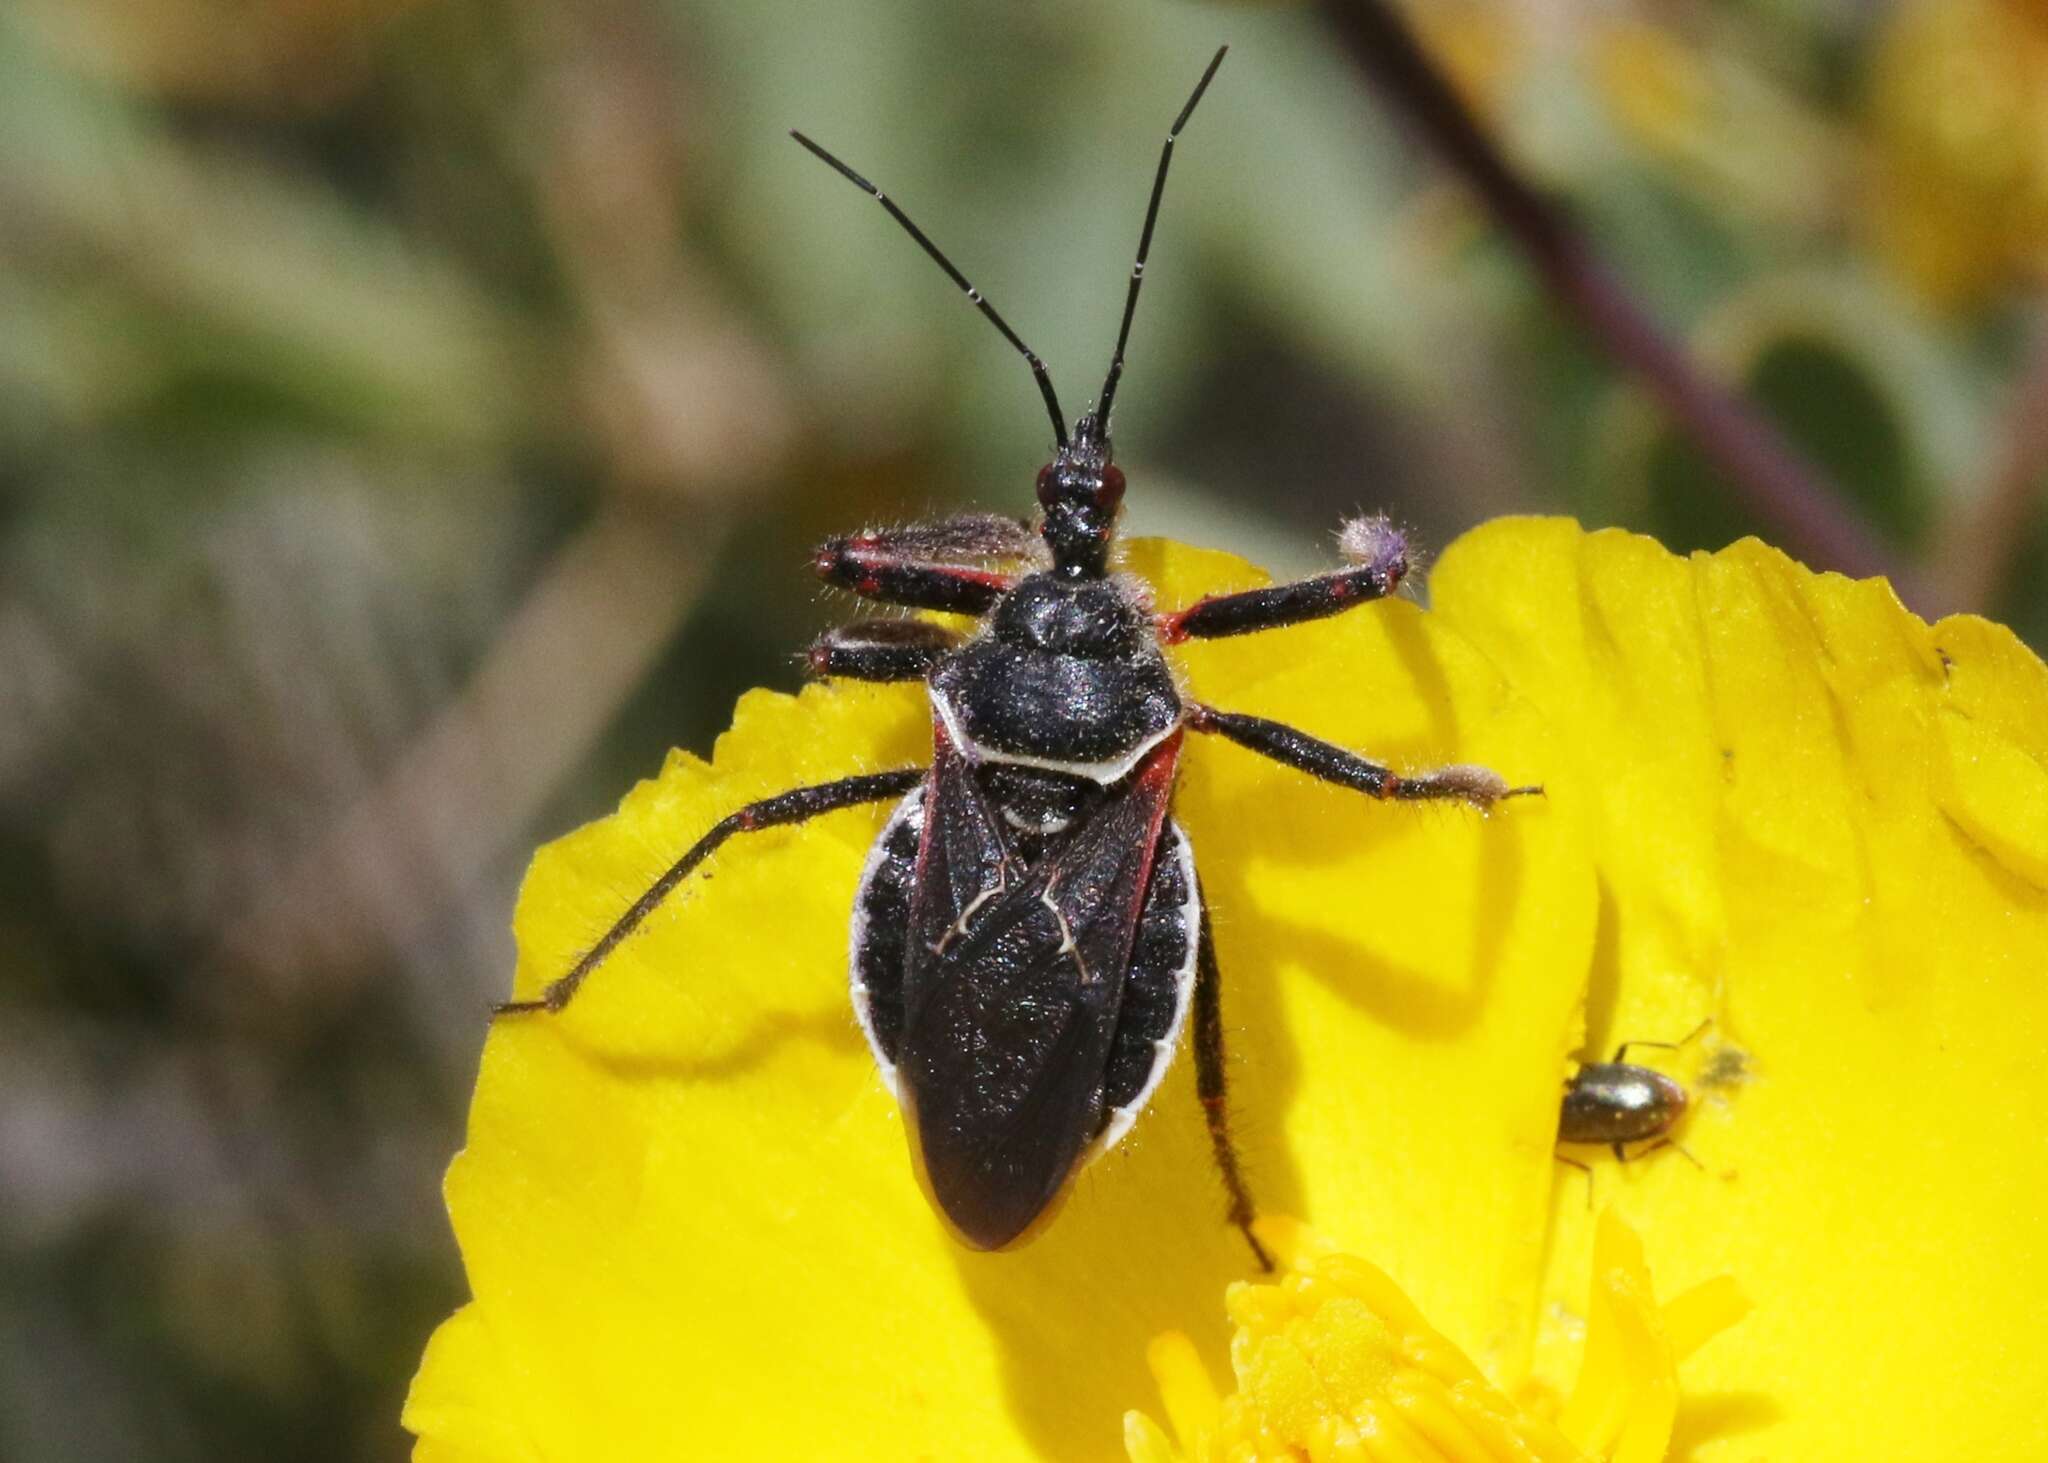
column 1774, row 798
column 1721, row 125
column 1958, row 102
column 1334, row 1362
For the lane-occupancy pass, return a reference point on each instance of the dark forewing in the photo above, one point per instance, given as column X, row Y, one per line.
column 1013, row 986
column 964, row 852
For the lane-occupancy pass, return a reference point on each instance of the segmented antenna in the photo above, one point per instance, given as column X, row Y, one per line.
column 1038, row 371
column 1116, row 362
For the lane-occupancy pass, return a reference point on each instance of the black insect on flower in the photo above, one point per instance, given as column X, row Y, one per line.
column 1029, row 936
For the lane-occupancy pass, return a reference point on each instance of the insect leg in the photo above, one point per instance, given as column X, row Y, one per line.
column 794, row 806
column 1480, row 786
column 1209, row 1086
column 881, row 650
column 963, row 536
column 1584, row 1168
column 1647, row 1149
column 1378, row 555
column 1670, row 1046
column 911, row 566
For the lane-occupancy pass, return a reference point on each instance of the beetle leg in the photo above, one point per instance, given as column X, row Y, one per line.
column 1647, row 1149
column 1209, row 1086
column 795, row 806
column 880, row 650
column 1478, row 786
column 1378, row 555
column 1584, row 1168
column 1669, row 1046
column 918, row 565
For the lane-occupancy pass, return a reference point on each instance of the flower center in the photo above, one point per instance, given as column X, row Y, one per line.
column 1333, row 1361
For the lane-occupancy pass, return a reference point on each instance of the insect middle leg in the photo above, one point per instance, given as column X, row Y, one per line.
column 1480, row 786
column 1210, row 1087
column 1379, row 558
column 795, row 806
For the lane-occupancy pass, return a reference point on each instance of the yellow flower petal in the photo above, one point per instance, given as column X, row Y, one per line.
column 1332, row 1361
column 1821, row 822
column 1426, row 969
column 1958, row 101
column 1773, row 798
column 688, row 1199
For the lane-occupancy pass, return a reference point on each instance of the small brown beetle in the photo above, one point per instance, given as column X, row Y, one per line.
column 1617, row 1102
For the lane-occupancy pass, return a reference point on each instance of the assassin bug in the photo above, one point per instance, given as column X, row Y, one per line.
column 1029, row 936
column 1618, row 1103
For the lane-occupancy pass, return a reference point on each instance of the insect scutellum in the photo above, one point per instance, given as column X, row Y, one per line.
column 1028, row 937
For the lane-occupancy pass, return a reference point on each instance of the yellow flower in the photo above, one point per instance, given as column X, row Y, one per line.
column 1958, row 97
column 1774, row 798
column 1335, row 1362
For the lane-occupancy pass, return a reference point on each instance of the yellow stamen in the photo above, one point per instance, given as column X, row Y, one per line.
column 1334, row 1362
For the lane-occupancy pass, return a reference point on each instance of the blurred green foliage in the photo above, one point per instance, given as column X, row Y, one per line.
column 413, row 415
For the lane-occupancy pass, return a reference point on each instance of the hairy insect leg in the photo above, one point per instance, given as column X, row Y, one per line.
column 880, row 650
column 963, row 536
column 1480, row 786
column 1378, row 555
column 917, row 565
column 1210, row 1087
column 794, row 806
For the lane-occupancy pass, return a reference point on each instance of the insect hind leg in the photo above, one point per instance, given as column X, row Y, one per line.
column 795, row 806
column 1667, row 1141
column 1210, row 1087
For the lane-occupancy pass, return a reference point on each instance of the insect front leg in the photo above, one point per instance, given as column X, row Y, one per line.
column 1621, row 1052
column 881, row 650
column 1210, row 1087
column 795, row 806
column 1480, row 786
column 918, row 565
column 1378, row 555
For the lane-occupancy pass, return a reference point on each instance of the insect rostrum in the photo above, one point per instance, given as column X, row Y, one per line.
column 1029, row 936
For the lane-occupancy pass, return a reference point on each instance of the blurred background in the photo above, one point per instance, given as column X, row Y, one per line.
column 414, row 415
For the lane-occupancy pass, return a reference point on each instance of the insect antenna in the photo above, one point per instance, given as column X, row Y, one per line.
column 1123, row 335
column 1038, row 371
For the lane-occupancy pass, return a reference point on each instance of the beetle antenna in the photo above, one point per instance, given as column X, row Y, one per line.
column 1038, row 371
column 1123, row 335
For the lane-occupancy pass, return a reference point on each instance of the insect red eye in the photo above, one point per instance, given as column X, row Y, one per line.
column 1111, row 492
column 1045, row 486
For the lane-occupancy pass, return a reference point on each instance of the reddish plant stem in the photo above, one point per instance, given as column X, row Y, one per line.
column 1986, row 531
column 1763, row 471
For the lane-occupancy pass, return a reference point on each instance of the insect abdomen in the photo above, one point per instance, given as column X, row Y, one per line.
column 1157, row 990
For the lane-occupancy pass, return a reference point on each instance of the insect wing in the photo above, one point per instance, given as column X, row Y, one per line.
column 1011, row 1010
column 1610, row 1102
column 963, row 856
